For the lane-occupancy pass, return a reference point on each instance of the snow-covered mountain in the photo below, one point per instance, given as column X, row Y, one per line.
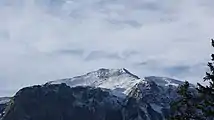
column 107, row 92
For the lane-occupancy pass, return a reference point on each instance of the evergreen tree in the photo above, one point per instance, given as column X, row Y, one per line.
column 185, row 108
column 206, row 93
column 199, row 106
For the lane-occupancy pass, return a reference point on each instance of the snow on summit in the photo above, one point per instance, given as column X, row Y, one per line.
column 117, row 80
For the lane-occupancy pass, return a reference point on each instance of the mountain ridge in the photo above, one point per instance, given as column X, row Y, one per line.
column 136, row 98
column 120, row 81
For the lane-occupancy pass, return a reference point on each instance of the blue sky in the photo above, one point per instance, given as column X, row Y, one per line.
column 42, row 40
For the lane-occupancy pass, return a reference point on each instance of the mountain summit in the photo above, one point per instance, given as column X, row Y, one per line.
column 119, row 81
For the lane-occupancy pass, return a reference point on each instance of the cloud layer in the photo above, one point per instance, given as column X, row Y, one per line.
column 43, row 40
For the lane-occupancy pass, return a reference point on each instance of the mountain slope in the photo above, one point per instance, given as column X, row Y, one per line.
column 60, row 102
column 149, row 101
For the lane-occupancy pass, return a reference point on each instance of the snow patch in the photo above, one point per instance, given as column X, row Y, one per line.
column 157, row 108
column 4, row 100
column 169, row 82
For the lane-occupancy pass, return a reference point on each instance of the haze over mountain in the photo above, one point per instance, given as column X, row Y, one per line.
column 43, row 40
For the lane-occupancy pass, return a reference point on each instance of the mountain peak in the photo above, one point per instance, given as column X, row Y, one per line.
column 126, row 71
column 117, row 80
column 106, row 73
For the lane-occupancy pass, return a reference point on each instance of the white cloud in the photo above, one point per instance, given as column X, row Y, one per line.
column 43, row 40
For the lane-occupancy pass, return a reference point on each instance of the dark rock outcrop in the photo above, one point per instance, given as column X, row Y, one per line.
column 60, row 102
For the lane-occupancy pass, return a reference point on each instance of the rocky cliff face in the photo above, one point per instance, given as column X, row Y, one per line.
column 99, row 95
column 148, row 101
column 60, row 102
